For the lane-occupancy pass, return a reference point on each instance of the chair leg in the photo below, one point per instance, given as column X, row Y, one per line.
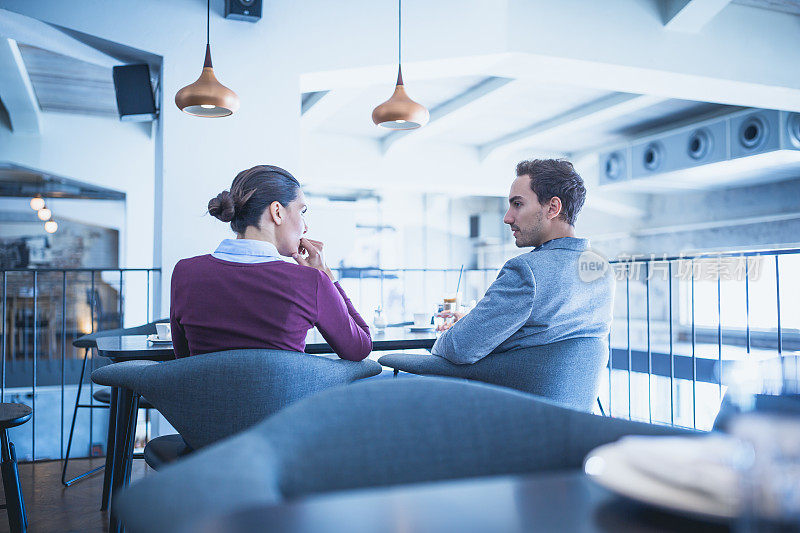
column 127, row 411
column 64, row 481
column 600, row 405
column 108, row 477
column 130, row 441
column 15, row 504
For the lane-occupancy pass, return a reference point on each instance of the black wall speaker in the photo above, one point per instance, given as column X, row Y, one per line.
column 135, row 101
column 249, row 10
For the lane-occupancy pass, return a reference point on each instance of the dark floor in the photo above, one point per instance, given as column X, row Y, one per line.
column 52, row 507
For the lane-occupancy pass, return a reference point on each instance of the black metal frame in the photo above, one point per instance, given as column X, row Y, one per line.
column 688, row 367
column 71, row 481
column 15, row 503
column 35, row 278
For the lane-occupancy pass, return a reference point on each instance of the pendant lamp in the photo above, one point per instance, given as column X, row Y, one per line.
column 400, row 112
column 207, row 97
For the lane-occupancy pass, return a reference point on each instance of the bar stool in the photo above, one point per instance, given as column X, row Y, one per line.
column 88, row 342
column 12, row 415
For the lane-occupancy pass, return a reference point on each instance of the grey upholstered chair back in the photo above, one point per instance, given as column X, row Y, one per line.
column 210, row 396
column 567, row 372
column 376, row 433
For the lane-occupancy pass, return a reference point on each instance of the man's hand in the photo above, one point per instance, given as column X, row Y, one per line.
column 309, row 254
column 448, row 323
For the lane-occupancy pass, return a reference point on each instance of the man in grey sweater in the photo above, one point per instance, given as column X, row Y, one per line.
column 559, row 290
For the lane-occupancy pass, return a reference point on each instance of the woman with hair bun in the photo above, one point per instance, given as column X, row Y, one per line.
column 245, row 296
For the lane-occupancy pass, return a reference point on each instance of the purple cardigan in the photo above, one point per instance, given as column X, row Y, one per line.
column 221, row 305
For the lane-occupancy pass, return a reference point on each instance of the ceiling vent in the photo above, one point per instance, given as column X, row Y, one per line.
column 747, row 147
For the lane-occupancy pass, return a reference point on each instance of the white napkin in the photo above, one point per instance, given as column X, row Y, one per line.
column 704, row 464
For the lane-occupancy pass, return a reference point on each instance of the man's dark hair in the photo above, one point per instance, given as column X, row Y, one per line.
column 556, row 177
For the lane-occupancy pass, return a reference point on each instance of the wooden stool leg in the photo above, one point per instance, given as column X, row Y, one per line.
column 17, row 520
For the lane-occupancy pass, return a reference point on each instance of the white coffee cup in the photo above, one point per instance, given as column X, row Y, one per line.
column 422, row 320
column 164, row 331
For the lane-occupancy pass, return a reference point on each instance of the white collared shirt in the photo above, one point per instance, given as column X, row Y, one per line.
column 246, row 251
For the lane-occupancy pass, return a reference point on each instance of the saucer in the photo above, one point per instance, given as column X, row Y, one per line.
column 420, row 328
column 155, row 339
column 614, row 467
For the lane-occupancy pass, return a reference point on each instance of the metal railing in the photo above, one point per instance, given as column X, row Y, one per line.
column 44, row 310
column 665, row 372
column 686, row 357
column 674, row 328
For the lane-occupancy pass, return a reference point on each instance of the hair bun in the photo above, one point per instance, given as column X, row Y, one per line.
column 222, row 207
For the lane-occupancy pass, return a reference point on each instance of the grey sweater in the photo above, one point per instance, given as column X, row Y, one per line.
column 538, row 298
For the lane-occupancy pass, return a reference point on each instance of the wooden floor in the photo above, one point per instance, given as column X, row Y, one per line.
column 52, row 507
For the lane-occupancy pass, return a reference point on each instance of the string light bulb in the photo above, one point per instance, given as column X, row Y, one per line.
column 44, row 214
column 51, row 226
column 37, row 203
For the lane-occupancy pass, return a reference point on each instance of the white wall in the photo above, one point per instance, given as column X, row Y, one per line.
column 102, row 152
column 262, row 63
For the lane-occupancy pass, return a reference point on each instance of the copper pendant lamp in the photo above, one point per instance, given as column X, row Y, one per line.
column 400, row 112
column 207, row 97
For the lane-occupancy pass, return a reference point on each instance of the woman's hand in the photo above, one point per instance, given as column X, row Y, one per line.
column 309, row 254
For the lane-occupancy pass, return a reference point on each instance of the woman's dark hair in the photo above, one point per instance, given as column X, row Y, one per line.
column 556, row 177
column 252, row 191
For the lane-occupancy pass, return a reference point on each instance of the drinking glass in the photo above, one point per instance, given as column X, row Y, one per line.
column 450, row 305
column 766, row 398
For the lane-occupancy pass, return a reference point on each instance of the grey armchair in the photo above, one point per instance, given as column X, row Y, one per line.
column 210, row 396
column 567, row 372
column 371, row 434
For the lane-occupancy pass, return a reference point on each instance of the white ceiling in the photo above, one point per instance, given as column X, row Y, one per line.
column 510, row 108
column 355, row 117
column 785, row 6
column 661, row 116
column 523, row 105
column 69, row 85
column 529, row 114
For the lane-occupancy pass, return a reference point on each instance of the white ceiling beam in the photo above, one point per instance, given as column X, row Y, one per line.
column 627, row 207
column 310, row 100
column 433, row 69
column 585, row 116
column 326, row 106
column 443, row 115
column 16, row 90
column 689, row 16
column 36, row 33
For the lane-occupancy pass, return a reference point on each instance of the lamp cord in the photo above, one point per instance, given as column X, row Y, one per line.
column 399, row 30
column 208, row 22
